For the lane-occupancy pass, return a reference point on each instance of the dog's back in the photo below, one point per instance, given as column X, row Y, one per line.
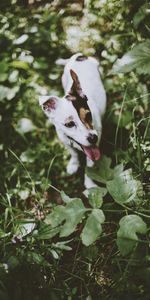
column 87, row 70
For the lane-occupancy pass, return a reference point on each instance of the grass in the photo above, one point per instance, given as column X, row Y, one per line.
column 36, row 262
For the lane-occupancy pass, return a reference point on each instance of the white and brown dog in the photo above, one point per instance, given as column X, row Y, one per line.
column 78, row 115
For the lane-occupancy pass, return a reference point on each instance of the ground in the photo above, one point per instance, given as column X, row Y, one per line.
column 70, row 245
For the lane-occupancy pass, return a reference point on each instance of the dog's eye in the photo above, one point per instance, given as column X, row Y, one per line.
column 70, row 124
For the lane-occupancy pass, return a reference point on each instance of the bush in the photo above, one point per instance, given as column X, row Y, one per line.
column 57, row 242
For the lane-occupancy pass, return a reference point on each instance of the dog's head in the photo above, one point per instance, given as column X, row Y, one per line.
column 73, row 119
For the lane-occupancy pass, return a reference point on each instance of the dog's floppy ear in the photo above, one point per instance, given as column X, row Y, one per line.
column 76, row 89
column 49, row 104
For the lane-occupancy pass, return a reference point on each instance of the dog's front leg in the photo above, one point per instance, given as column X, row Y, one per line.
column 73, row 164
column 88, row 182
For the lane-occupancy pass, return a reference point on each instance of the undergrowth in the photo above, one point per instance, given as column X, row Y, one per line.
column 58, row 240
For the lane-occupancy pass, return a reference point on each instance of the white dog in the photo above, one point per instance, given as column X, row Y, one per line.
column 78, row 115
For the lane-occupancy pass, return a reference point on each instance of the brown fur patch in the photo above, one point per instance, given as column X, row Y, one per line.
column 79, row 101
column 83, row 116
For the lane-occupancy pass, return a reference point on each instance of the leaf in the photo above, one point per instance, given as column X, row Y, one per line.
column 40, row 64
column 24, row 229
column 12, row 92
column 36, row 258
column 124, row 120
column 3, row 76
column 91, row 253
column 3, row 234
column 54, row 254
column 62, row 245
column 26, row 58
column 56, row 217
column 22, row 39
column 3, row 92
column 24, row 194
column 92, row 228
column 64, row 197
column 28, row 156
column 95, row 196
column 46, row 232
column 127, row 238
column 74, row 211
column 101, row 171
column 19, row 64
column 140, row 15
column 13, row 77
column 12, row 262
column 3, row 71
column 25, row 125
column 138, row 58
column 123, row 188
column 71, row 213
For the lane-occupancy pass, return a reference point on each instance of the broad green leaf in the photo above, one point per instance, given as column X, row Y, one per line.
column 141, row 15
column 46, row 232
column 92, row 228
column 127, row 238
column 95, row 196
column 138, row 58
column 71, row 213
column 56, row 217
column 74, row 211
column 64, row 197
column 102, row 172
column 123, row 188
column 117, row 170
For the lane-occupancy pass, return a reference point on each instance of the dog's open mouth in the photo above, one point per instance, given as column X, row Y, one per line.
column 92, row 152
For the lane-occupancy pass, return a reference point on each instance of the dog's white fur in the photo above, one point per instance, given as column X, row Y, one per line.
column 62, row 109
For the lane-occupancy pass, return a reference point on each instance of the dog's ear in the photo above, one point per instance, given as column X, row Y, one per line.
column 76, row 89
column 49, row 104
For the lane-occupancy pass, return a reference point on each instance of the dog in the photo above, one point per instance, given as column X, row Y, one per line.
column 77, row 117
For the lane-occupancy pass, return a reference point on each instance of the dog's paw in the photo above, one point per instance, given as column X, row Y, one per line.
column 89, row 183
column 89, row 163
column 72, row 166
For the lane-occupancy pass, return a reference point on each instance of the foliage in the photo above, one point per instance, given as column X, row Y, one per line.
column 138, row 57
column 57, row 242
column 126, row 236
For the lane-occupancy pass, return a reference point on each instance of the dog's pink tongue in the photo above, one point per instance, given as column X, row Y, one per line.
column 92, row 152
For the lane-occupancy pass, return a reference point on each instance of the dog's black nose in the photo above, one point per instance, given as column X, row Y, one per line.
column 92, row 138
